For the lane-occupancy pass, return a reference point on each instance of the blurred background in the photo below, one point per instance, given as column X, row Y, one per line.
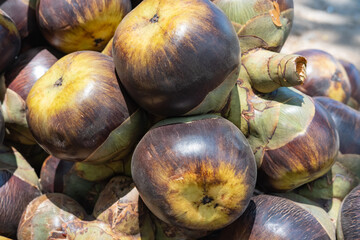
column 330, row 25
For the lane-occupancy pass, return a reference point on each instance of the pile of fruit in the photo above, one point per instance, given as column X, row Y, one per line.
column 176, row 119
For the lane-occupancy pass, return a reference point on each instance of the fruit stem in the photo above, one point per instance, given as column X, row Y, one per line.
column 266, row 70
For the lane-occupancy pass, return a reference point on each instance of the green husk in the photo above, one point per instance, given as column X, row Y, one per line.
column 266, row 71
column 13, row 108
column 338, row 182
column 270, row 121
column 122, row 140
column 322, row 217
column 11, row 160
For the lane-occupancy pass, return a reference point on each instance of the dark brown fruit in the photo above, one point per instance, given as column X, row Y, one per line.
column 18, row 187
column 27, row 69
column 347, row 122
column 177, row 57
column 354, row 78
column 73, row 179
column 78, row 25
column 348, row 225
column 23, row 13
column 270, row 217
column 9, row 41
column 80, row 112
column 325, row 76
column 196, row 173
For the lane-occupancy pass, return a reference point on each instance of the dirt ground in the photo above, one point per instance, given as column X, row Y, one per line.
column 330, row 25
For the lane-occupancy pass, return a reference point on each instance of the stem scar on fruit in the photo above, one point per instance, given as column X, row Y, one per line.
column 207, row 200
column 98, row 41
column 58, row 82
column 155, row 18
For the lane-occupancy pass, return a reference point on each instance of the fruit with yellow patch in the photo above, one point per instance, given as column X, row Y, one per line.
column 81, row 24
column 325, row 76
column 78, row 111
column 196, row 173
column 177, row 57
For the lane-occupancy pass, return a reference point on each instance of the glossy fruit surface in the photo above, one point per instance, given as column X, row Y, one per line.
column 325, row 76
column 80, row 112
column 23, row 13
column 205, row 172
column 10, row 40
column 27, row 69
column 270, row 217
column 347, row 122
column 354, row 78
column 80, row 25
column 177, row 57
column 348, row 226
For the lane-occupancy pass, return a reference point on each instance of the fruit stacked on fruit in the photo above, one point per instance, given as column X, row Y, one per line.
column 183, row 127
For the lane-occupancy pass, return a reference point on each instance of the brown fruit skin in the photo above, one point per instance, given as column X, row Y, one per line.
column 304, row 155
column 354, row 77
column 58, row 176
column 81, row 24
column 16, row 191
column 94, row 115
column 15, row 195
column 10, row 41
column 171, row 55
column 349, row 220
column 2, row 128
column 347, row 123
column 185, row 169
column 23, row 13
column 325, row 76
column 27, row 69
column 49, row 180
column 47, row 213
column 276, row 218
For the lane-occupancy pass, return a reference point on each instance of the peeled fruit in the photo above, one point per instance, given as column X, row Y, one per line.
column 177, row 57
column 196, row 173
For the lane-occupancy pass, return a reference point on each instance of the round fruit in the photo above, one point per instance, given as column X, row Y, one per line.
column 325, row 76
column 196, row 173
column 9, row 40
column 78, row 111
column 80, row 25
column 177, row 57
